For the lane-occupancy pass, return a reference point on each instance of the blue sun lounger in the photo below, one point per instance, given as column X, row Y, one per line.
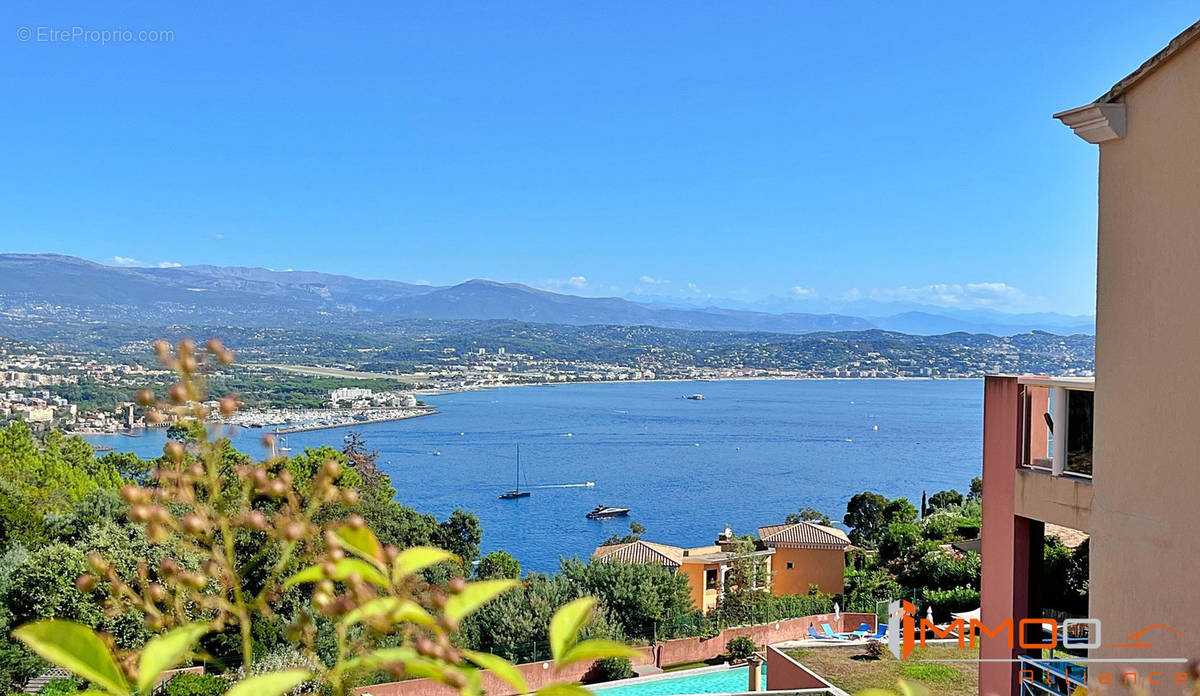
column 830, row 633
column 812, row 633
column 880, row 633
column 864, row 630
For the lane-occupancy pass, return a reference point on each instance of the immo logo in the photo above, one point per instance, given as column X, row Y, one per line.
column 906, row 631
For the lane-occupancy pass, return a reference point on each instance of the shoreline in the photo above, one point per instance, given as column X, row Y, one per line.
column 331, row 426
column 765, row 378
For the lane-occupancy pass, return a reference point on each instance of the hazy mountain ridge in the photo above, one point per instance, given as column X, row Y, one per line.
column 52, row 284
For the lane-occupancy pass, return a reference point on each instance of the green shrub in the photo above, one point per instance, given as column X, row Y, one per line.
column 611, row 668
column 61, row 687
column 189, row 684
column 947, row 602
column 874, row 650
column 740, row 648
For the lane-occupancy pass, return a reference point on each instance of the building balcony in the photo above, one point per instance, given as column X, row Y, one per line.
column 1056, row 421
column 1054, row 466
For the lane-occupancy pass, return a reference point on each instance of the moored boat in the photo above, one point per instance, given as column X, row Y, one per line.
column 601, row 512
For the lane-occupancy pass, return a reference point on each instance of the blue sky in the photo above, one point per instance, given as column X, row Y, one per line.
column 807, row 152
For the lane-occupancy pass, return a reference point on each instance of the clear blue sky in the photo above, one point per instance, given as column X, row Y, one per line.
column 736, row 150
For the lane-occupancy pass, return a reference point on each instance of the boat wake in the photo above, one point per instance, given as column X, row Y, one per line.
column 587, row 484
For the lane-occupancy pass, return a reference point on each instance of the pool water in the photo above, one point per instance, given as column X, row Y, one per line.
column 716, row 682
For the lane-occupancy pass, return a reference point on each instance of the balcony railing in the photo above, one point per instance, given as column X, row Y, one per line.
column 1056, row 417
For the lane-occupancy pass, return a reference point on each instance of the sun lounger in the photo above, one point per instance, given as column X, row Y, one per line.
column 830, row 633
column 880, row 633
column 812, row 633
column 864, row 630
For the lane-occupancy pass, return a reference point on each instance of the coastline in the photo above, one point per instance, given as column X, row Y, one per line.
column 330, row 426
column 764, row 378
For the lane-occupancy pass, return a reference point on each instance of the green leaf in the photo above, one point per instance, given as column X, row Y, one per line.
column 361, row 542
column 166, row 651
column 568, row 621
column 501, row 668
column 595, row 649
column 77, row 648
column 270, row 684
column 341, row 570
column 563, row 690
column 397, row 611
column 417, row 559
column 475, row 595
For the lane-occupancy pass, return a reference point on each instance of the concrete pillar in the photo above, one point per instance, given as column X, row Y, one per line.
column 1061, row 418
column 756, row 662
column 1007, row 542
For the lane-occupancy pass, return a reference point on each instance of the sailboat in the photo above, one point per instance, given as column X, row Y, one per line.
column 516, row 492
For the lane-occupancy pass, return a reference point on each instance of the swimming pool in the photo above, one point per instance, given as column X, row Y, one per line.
column 719, row 681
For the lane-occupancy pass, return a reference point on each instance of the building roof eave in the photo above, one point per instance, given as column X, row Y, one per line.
column 1096, row 123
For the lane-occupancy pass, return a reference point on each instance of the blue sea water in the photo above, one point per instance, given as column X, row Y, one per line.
column 748, row 454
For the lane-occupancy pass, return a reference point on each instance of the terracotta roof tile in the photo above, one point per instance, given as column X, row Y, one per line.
column 641, row 552
column 804, row 535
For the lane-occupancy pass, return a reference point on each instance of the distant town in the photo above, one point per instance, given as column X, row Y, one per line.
column 91, row 392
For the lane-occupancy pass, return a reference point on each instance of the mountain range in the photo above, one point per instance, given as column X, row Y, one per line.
column 53, row 285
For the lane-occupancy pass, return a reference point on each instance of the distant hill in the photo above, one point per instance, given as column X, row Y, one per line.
column 45, row 285
column 258, row 296
column 995, row 323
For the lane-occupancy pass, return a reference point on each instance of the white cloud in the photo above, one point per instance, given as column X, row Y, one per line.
column 218, row 236
column 801, row 292
column 421, row 282
column 577, row 282
column 990, row 295
column 650, row 280
column 135, row 263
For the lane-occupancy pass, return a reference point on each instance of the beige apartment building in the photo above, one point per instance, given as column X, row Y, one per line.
column 1126, row 464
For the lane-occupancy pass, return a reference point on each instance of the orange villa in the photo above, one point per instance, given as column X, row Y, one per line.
column 796, row 556
column 806, row 555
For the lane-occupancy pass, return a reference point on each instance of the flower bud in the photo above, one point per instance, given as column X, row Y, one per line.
column 177, row 393
column 331, row 468
column 195, row 525
column 228, row 406
column 174, row 450
column 293, row 531
column 144, row 397
column 214, row 346
column 162, row 349
column 85, row 583
column 457, row 585
column 350, row 496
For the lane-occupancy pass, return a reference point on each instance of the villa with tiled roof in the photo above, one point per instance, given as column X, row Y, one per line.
column 796, row 557
column 706, row 567
column 807, row 555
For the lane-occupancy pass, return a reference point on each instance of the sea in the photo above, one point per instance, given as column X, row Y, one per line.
column 745, row 456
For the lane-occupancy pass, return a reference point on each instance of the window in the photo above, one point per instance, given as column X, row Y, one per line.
column 710, row 579
column 790, row 565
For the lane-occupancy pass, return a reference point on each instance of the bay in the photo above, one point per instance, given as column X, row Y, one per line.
column 745, row 456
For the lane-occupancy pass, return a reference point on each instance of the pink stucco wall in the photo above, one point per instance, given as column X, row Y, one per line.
column 785, row 674
column 668, row 652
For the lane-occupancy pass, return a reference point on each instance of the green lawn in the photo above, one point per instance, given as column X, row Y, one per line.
column 849, row 669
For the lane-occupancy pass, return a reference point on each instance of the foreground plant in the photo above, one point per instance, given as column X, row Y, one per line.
column 240, row 536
